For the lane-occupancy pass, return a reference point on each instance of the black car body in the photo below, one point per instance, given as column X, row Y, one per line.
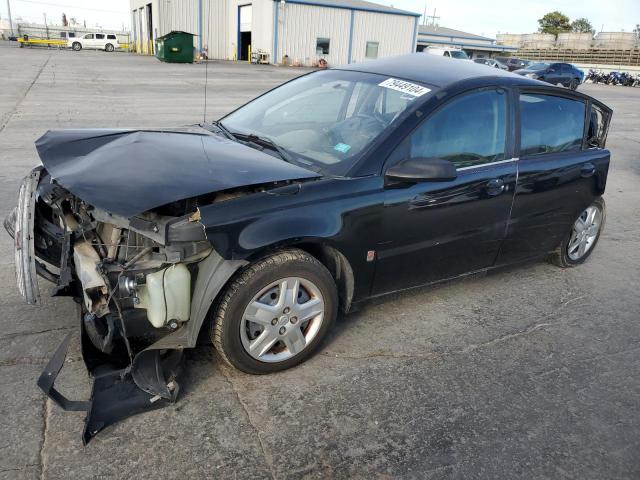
column 563, row 74
column 437, row 169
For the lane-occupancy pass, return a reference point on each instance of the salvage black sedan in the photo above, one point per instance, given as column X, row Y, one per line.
column 336, row 187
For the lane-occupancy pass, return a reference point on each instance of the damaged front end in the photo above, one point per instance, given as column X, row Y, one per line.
column 137, row 282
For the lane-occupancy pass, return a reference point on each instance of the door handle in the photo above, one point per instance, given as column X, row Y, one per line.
column 587, row 170
column 495, row 186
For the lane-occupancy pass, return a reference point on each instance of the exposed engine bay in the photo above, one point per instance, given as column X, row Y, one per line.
column 134, row 279
column 125, row 239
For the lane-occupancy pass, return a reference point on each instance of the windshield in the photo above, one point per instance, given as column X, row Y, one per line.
column 537, row 66
column 459, row 54
column 327, row 119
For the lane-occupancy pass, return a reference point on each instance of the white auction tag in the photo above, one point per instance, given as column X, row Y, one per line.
column 404, row 87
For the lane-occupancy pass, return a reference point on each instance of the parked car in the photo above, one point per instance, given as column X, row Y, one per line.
column 97, row 41
column 447, row 52
column 564, row 74
column 513, row 63
column 491, row 62
column 336, row 187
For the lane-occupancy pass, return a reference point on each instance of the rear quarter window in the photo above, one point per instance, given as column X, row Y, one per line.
column 598, row 127
column 550, row 124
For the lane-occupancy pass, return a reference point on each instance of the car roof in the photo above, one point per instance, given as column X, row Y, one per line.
column 433, row 70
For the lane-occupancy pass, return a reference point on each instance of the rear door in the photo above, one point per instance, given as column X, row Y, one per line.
column 436, row 230
column 562, row 169
column 100, row 41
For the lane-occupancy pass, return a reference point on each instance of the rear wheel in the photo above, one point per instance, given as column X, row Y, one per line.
column 582, row 239
column 108, row 47
column 77, row 46
column 275, row 313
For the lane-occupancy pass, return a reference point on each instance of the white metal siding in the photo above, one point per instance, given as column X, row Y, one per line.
column 394, row 33
column 299, row 27
column 214, row 27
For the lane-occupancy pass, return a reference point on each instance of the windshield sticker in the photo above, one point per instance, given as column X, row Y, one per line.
column 342, row 147
column 404, row 87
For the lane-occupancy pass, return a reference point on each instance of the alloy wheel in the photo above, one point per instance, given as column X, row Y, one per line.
column 282, row 319
column 584, row 233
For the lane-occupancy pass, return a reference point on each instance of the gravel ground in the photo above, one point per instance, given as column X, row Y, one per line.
column 528, row 373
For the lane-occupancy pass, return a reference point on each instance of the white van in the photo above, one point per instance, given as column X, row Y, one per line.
column 447, row 52
column 99, row 41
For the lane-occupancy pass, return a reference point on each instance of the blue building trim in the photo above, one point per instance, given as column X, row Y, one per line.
column 349, row 56
column 199, row 26
column 275, row 32
column 348, row 7
column 414, row 44
column 456, row 36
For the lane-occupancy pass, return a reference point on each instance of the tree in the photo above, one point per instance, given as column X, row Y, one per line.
column 554, row 23
column 582, row 25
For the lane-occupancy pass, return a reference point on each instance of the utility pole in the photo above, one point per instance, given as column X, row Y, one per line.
column 10, row 21
column 433, row 18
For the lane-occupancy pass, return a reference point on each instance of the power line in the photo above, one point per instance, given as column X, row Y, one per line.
column 69, row 6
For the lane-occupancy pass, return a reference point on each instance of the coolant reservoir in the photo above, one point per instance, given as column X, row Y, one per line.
column 166, row 295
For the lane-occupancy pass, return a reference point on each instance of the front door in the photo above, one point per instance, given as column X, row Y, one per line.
column 436, row 230
column 559, row 174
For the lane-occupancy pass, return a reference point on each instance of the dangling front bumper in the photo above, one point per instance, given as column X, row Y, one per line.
column 122, row 386
column 115, row 395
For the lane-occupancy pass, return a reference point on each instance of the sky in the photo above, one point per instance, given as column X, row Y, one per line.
column 482, row 17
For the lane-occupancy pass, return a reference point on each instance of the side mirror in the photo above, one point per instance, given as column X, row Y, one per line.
column 414, row 170
column 552, row 70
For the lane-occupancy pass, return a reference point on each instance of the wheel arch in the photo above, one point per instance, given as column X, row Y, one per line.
column 328, row 255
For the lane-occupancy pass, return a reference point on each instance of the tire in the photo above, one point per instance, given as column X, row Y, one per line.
column 76, row 46
column 232, row 332
column 108, row 47
column 573, row 85
column 563, row 256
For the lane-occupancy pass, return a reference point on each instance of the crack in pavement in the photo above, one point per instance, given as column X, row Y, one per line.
column 7, row 117
column 467, row 349
column 12, row 362
column 267, row 458
column 37, row 332
column 19, row 469
column 43, row 456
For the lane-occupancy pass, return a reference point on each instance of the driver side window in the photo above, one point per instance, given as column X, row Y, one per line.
column 469, row 130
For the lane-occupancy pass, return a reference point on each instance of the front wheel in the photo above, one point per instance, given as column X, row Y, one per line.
column 583, row 237
column 275, row 313
column 573, row 85
column 108, row 47
column 77, row 46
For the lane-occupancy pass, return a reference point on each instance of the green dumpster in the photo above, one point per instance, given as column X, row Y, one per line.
column 175, row 47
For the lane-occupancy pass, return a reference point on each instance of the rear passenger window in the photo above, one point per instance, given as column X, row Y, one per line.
column 89, row 36
column 469, row 130
column 99, row 36
column 598, row 125
column 550, row 124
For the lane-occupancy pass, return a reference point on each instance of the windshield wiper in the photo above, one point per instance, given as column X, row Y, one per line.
column 265, row 142
column 224, row 130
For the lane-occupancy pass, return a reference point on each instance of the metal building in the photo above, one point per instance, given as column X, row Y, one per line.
column 474, row 45
column 293, row 31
